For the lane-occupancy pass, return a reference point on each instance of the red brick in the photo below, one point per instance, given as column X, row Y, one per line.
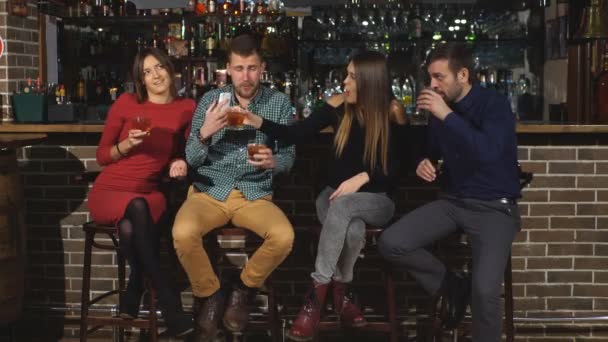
column 551, row 236
column 572, row 196
column 572, row 223
column 593, row 154
column 569, row 276
column 590, row 263
column 549, row 263
column 529, row 249
column 592, row 182
column 602, row 222
column 529, row 277
column 590, row 290
column 552, row 154
column 523, row 153
column 571, row 167
column 569, row 304
column 592, row 209
column 601, row 250
column 551, row 209
column 592, row 236
column 535, row 196
column 553, row 182
column 602, row 195
column 600, row 278
column 601, row 168
column 534, row 222
column 570, row 249
column 526, row 304
column 548, row 290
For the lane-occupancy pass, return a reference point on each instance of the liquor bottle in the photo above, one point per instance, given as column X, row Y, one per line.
column 211, row 42
column 601, row 92
column 190, row 6
column 107, row 8
column 98, row 8
column 85, row 8
column 415, row 23
column 260, row 8
column 226, row 7
column 157, row 40
column 80, row 90
column 211, row 6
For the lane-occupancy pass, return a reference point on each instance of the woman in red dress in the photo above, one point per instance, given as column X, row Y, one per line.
column 126, row 192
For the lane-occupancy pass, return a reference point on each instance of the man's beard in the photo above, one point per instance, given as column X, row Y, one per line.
column 253, row 87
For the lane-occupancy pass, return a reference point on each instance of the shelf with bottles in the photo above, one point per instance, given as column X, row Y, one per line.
column 395, row 20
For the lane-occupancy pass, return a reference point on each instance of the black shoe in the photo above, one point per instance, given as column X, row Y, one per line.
column 128, row 306
column 179, row 324
column 457, row 291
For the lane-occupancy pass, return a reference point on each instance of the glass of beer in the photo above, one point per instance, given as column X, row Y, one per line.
column 254, row 147
column 141, row 123
column 236, row 116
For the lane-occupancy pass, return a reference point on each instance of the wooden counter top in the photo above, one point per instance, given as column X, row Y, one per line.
column 80, row 128
column 50, row 128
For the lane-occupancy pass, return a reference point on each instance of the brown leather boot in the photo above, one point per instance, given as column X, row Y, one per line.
column 349, row 313
column 237, row 311
column 306, row 323
column 207, row 314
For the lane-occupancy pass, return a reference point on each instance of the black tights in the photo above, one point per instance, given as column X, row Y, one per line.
column 139, row 240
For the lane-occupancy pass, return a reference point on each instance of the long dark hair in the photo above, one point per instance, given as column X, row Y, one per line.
column 138, row 72
column 371, row 109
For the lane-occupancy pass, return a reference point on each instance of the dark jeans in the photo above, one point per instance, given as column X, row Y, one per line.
column 491, row 227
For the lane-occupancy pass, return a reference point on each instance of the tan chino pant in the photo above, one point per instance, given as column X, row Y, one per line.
column 202, row 213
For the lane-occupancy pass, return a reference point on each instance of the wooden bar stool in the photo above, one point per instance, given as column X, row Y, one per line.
column 149, row 324
column 226, row 246
column 389, row 325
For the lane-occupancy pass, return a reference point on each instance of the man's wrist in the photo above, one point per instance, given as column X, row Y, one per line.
column 203, row 139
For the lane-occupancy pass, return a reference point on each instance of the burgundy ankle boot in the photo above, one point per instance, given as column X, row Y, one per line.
column 349, row 313
column 306, row 323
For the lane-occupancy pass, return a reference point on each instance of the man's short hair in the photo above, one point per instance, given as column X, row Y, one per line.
column 244, row 45
column 458, row 55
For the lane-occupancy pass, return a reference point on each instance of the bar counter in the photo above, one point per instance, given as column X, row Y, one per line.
column 559, row 256
column 98, row 128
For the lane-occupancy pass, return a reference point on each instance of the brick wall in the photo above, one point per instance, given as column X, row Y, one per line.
column 20, row 59
column 559, row 257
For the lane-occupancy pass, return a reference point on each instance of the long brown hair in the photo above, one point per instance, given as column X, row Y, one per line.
column 138, row 72
column 371, row 110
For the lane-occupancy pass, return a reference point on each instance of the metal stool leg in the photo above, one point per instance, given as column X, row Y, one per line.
column 86, row 285
column 390, row 303
column 273, row 315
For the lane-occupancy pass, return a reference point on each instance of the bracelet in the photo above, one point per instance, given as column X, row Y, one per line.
column 119, row 152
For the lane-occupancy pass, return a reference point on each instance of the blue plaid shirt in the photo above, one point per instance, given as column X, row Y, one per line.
column 221, row 165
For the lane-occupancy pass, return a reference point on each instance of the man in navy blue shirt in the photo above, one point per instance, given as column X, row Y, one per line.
column 472, row 129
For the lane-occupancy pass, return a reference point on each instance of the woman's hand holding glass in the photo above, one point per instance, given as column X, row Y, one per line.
column 253, row 120
column 136, row 137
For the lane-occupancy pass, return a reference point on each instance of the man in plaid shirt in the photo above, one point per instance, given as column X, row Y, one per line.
column 228, row 186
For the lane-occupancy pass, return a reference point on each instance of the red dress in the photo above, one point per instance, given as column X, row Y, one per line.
column 140, row 172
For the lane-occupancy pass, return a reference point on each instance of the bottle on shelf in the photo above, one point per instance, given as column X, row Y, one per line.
column 601, row 92
column 211, row 6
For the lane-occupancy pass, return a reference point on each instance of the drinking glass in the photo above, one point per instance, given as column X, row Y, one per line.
column 253, row 147
column 141, row 123
column 235, row 116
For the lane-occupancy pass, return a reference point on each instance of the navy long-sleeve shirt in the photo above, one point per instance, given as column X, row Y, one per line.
column 478, row 144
